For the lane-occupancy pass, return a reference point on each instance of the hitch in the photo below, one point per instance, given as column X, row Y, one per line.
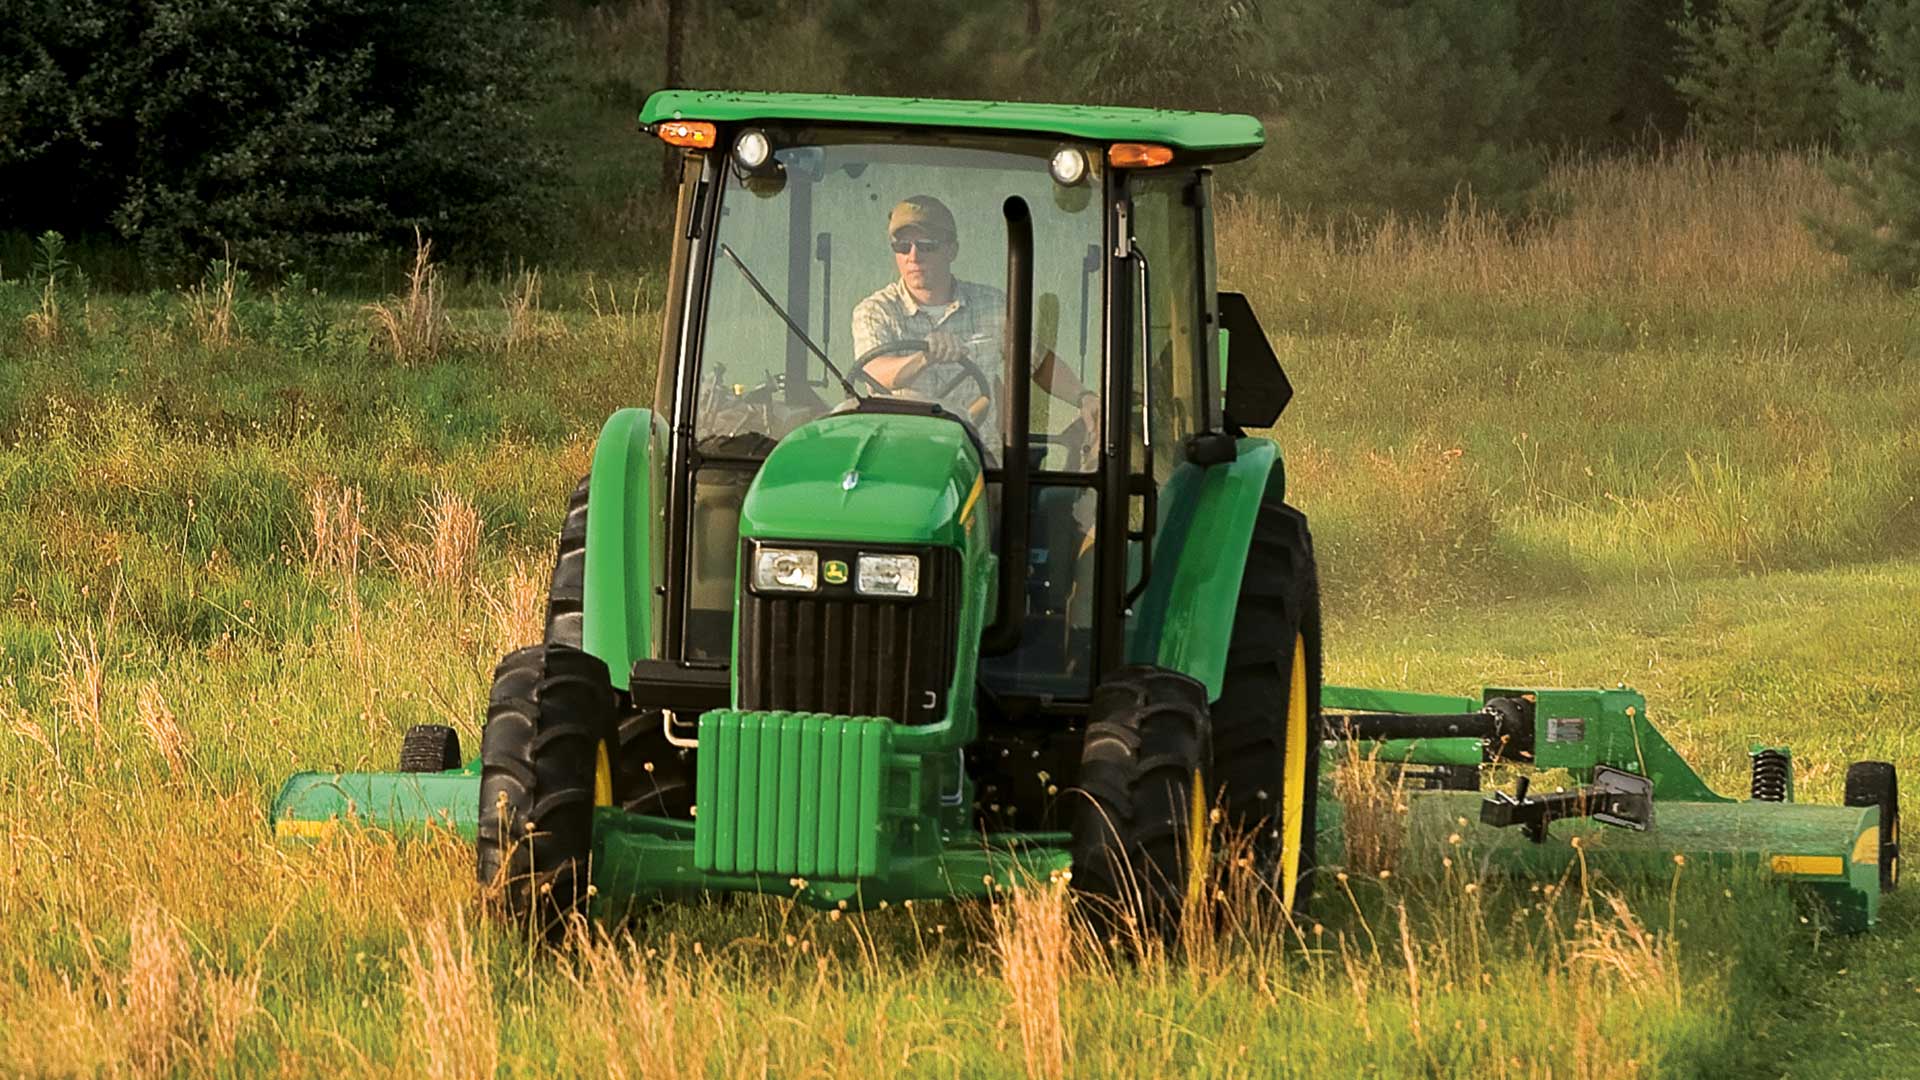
column 1614, row 798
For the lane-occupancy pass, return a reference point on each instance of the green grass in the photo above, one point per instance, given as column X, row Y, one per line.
column 1576, row 476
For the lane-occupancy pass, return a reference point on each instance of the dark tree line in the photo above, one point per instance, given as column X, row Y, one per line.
column 282, row 130
column 290, row 130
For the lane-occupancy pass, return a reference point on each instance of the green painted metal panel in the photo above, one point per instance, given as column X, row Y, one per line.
column 1791, row 841
column 787, row 846
column 1578, row 729
column 872, row 776
column 311, row 805
column 772, row 741
column 706, row 792
column 746, row 803
column 1218, row 135
column 827, row 855
column 847, row 844
column 766, row 797
column 911, row 477
column 726, row 765
column 812, row 763
column 1359, row 699
column 621, row 565
column 1185, row 622
column 636, row 858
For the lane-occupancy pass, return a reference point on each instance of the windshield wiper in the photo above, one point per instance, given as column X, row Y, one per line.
column 788, row 319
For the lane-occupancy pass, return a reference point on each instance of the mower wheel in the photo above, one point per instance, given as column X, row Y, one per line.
column 1874, row 783
column 430, row 748
column 1143, row 771
column 1276, row 626
column 550, row 709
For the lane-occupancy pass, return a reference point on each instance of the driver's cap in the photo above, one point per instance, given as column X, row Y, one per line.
column 925, row 212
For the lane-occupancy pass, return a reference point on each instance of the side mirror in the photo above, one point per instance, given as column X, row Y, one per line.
column 1257, row 389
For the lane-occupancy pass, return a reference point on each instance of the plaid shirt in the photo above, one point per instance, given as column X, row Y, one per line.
column 977, row 317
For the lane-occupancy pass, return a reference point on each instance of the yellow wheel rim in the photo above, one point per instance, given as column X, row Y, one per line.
column 602, row 775
column 1294, row 798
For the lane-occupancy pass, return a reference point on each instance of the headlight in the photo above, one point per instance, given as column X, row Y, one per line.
column 786, row 570
column 1068, row 166
column 887, row 575
column 752, row 149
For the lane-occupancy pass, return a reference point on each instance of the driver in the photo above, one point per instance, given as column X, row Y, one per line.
column 959, row 320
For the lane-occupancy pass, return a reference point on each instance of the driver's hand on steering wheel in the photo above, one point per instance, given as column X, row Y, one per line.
column 943, row 349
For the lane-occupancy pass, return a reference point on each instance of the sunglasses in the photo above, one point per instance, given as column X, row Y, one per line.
column 927, row 247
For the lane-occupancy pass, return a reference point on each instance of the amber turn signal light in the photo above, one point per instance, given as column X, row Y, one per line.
column 697, row 134
column 1138, row 155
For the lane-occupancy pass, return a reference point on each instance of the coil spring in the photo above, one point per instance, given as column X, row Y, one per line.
column 1772, row 770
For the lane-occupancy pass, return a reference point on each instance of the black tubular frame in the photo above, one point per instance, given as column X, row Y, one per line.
column 1003, row 636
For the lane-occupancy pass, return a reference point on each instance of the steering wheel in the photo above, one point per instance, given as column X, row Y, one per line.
column 969, row 371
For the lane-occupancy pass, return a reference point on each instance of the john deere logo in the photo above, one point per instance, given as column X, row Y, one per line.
column 835, row 572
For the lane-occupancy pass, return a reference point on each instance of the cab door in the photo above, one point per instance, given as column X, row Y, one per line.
column 1173, row 368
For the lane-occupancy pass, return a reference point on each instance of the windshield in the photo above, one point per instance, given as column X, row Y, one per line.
column 870, row 268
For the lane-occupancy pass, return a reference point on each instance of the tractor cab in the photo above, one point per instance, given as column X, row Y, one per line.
column 934, row 372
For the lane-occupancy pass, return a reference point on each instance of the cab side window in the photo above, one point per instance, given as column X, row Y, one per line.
column 1165, row 228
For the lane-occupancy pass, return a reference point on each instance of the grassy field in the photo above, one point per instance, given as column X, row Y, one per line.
column 242, row 532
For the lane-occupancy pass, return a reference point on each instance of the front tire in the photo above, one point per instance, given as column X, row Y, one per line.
column 1144, row 772
column 647, row 774
column 549, row 710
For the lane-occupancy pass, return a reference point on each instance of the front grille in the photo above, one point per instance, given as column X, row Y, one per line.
column 834, row 651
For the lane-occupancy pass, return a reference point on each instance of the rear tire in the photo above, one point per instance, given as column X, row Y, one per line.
column 1144, row 771
column 550, row 708
column 1875, row 783
column 1278, row 612
column 649, row 774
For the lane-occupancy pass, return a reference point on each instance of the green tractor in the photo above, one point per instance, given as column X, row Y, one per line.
column 943, row 558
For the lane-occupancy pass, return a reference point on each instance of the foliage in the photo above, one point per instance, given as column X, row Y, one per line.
column 287, row 130
column 1204, row 54
column 1880, row 106
column 1759, row 73
column 1401, row 106
column 1604, row 69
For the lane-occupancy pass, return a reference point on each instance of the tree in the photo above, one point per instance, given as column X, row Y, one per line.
column 1759, row 74
column 1199, row 54
column 1605, row 71
column 1398, row 106
column 1879, row 110
column 281, row 131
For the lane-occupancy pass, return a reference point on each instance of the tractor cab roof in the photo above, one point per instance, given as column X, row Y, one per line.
column 1195, row 135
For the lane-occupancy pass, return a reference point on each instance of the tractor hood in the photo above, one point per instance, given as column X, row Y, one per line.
column 877, row 477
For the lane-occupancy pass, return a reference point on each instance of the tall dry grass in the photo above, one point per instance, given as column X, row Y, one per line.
column 522, row 306
column 516, row 607
column 210, row 306
column 452, row 1023
column 445, row 556
column 413, row 326
column 1686, row 219
column 163, row 729
column 1034, row 940
column 338, row 534
column 82, row 688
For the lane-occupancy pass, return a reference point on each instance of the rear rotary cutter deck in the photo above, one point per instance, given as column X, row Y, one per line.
column 942, row 556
